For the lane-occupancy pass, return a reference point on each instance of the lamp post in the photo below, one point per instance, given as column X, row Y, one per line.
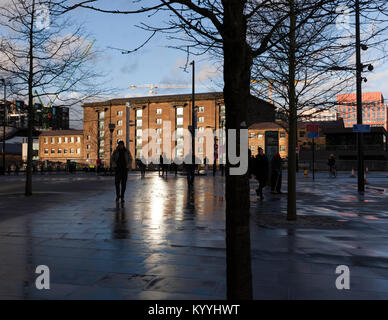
column 4, row 120
column 111, row 129
column 193, row 122
column 359, row 67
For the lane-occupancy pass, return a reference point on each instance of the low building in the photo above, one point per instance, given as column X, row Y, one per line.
column 61, row 146
column 13, row 154
column 273, row 136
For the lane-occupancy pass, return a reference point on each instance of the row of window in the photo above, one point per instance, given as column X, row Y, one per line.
column 59, row 151
column 64, row 139
column 260, row 135
column 282, row 148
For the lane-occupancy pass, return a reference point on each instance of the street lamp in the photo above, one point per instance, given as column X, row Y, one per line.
column 193, row 123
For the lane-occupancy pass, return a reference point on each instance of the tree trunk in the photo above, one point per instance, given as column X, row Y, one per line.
column 28, row 188
column 237, row 64
column 292, row 117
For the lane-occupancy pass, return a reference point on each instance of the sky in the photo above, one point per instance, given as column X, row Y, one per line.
column 155, row 63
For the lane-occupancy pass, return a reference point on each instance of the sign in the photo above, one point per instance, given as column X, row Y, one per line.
column 312, row 135
column 361, row 128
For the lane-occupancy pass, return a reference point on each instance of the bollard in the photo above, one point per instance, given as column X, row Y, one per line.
column 352, row 175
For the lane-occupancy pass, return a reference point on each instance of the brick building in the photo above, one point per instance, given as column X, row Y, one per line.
column 61, row 146
column 127, row 118
column 374, row 111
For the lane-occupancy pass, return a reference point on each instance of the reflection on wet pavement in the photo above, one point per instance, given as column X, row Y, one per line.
column 165, row 242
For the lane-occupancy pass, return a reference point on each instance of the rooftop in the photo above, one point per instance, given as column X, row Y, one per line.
column 153, row 99
column 62, row 133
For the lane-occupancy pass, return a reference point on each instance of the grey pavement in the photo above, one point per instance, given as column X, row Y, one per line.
column 166, row 243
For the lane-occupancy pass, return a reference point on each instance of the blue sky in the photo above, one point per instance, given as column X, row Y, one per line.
column 157, row 64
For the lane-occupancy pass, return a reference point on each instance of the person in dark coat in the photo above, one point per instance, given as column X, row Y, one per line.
column 260, row 170
column 276, row 173
column 121, row 160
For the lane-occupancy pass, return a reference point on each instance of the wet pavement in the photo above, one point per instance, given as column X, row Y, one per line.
column 166, row 243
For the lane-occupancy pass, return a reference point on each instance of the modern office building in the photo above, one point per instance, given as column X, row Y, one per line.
column 374, row 110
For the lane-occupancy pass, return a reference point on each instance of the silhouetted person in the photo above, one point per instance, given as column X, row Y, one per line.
column 120, row 163
column 260, row 170
column 17, row 169
column 42, row 168
column 142, row 165
column 276, row 173
column 9, row 169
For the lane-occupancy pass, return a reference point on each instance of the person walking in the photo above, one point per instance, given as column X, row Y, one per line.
column 260, row 171
column 142, row 165
column 120, row 163
column 17, row 169
column 331, row 164
column 9, row 169
column 276, row 173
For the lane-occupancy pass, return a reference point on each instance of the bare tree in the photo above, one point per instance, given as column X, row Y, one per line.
column 44, row 54
column 302, row 70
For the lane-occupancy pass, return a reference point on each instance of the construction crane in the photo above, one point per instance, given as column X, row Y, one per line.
column 153, row 88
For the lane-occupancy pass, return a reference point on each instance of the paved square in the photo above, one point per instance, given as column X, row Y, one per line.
column 167, row 244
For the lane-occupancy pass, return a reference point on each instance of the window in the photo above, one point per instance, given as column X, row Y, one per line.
column 45, row 140
column 201, row 119
column 139, row 123
column 71, row 150
column 179, row 121
column 59, row 151
column 201, row 139
column 139, row 113
column 252, row 148
column 88, row 138
column 102, row 133
column 139, row 133
column 64, row 150
column 88, row 146
column 119, row 113
column 179, row 132
column 59, row 140
column 179, row 111
column 119, row 132
column 78, row 151
column 159, row 131
column 159, row 111
column 101, row 115
column 158, row 121
column 78, row 139
column 45, row 151
column 283, row 148
column 200, row 150
column 252, row 135
column 72, row 139
column 88, row 156
column 120, row 122
column 66, row 139
column 201, row 109
column 302, row 134
column 52, row 151
column 52, row 140
column 282, row 134
column 201, row 129
column 260, row 135
column 158, row 140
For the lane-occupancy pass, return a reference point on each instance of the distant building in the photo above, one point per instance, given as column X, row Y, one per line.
column 317, row 115
column 61, row 146
column 374, row 110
